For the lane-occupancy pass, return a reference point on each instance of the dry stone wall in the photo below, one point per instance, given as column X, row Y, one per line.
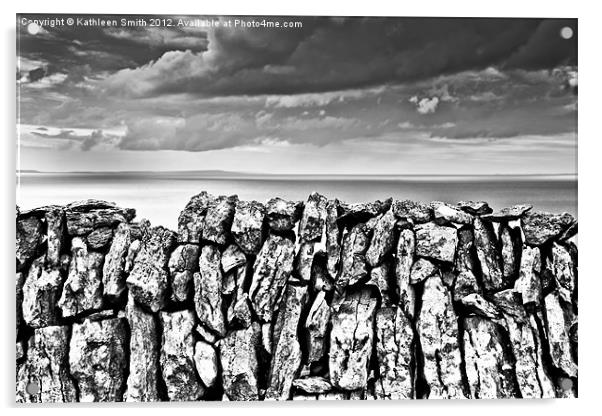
column 314, row 300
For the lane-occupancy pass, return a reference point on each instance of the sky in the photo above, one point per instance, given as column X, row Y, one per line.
column 335, row 96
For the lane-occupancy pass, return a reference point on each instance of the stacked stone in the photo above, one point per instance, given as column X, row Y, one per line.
column 314, row 300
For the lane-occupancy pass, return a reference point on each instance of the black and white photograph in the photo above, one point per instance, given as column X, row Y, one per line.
column 273, row 208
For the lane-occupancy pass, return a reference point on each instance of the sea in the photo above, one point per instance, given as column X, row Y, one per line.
column 160, row 196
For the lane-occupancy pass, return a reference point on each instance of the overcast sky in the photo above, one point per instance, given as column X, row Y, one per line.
column 340, row 95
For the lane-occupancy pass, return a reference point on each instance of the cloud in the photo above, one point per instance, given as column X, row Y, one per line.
column 425, row 105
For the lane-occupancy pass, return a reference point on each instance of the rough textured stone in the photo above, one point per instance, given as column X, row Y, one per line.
column 316, row 325
column 286, row 359
column 563, row 268
column 394, row 352
column 183, row 262
column 208, row 291
column 333, row 237
column 362, row 211
column 271, row 272
column 475, row 207
column 489, row 366
column 477, row 304
column 406, row 246
column 29, row 237
column 511, row 244
column 130, row 258
column 351, row 340
column 149, row 278
column 313, row 219
column 205, row 361
column 80, row 223
column 82, row 291
column 247, row 226
column 283, row 215
column 47, row 366
column 489, row 256
column 218, row 219
column 383, row 239
column 466, row 281
column 232, row 257
column 238, row 353
column 532, row 377
column 421, row 270
column 510, row 213
column 540, row 227
column 239, row 313
column 113, row 271
column 142, row 382
column 177, row 357
column 353, row 267
column 41, row 292
column 528, row 283
column 558, row 331
column 415, row 211
column 312, row 385
column 304, row 261
column 55, row 235
column 320, row 278
column 437, row 330
column 445, row 213
column 100, row 238
column 381, row 278
column 19, row 281
column 436, row 242
column 98, row 361
column 569, row 233
column 191, row 219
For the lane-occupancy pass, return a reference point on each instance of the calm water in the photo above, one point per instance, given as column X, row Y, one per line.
column 160, row 197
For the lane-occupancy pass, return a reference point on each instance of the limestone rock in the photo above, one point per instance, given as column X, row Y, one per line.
column 239, row 313
column 320, row 278
column 316, row 326
column 563, row 268
column 406, row 247
column 313, row 219
column 177, row 357
column 182, row 264
column 436, row 242
column 130, row 258
column 445, row 213
column 232, row 257
column 142, row 382
column 98, row 360
column 540, row 227
column 333, row 237
column 529, row 281
column 247, row 226
column 205, row 361
column 113, row 271
column 238, row 353
column 304, row 261
column 286, row 358
column 271, row 272
column 437, row 330
column 100, row 238
column 489, row 367
column 466, row 281
column 363, row 211
column 421, row 270
column 383, row 239
column 149, row 278
column 41, row 292
column 29, row 237
column 19, row 281
column 83, row 288
column 510, row 213
column 191, row 219
column 475, row 303
column 351, row 340
column 475, row 207
column 218, row 219
column 47, row 366
column 489, row 256
column 394, row 352
column 381, row 278
column 208, row 291
column 511, row 242
column 569, row 233
column 353, row 267
column 55, row 235
column 415, row 211
column 558, row 331
column 312, row 385
column 80, row 223
column 283, row 215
